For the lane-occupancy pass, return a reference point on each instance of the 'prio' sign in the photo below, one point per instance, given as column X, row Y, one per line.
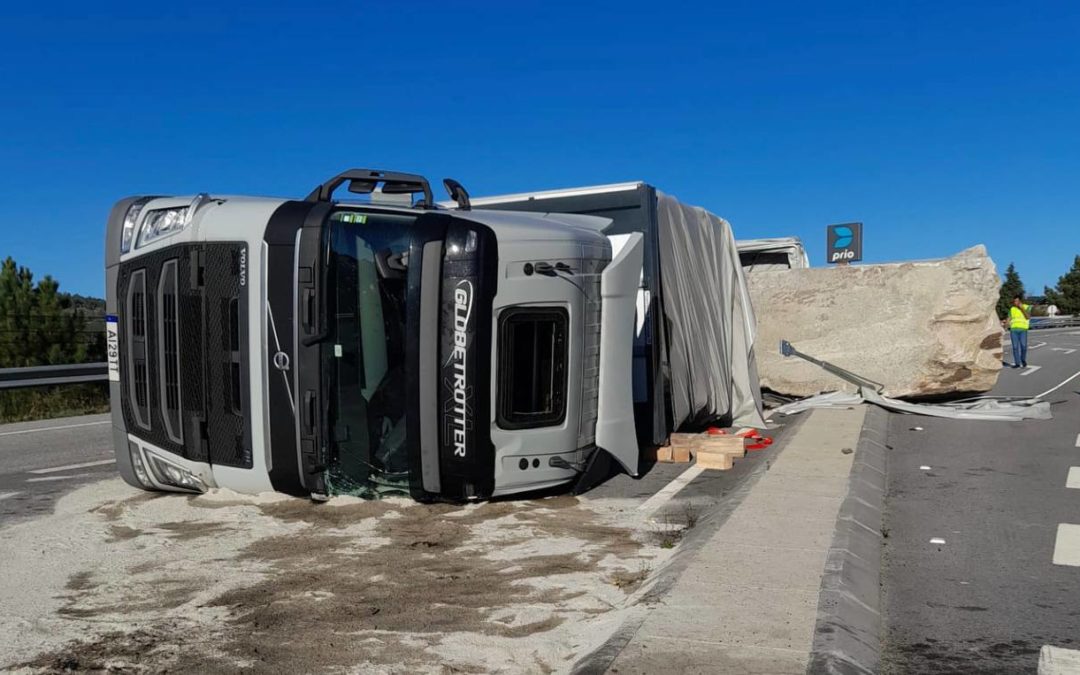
column 844, row 243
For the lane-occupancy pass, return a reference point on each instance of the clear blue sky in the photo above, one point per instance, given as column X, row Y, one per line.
column 938, row 124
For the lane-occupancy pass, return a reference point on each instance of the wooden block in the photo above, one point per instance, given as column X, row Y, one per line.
column 714, row 460
column 680, row 440
column 731, row 445
column 678, row 455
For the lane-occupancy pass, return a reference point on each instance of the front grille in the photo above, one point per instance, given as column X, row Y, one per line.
column 138, row 323
column 184, row 348
column 139, row 379
column 226, row 331
column 142, row 384
column 169, row 351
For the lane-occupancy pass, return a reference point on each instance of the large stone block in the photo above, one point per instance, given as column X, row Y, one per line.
column 920, row 328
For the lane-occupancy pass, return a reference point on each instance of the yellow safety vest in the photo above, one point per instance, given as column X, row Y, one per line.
column 1017, row 320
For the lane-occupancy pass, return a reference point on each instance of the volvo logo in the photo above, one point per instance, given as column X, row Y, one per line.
column 281, row 361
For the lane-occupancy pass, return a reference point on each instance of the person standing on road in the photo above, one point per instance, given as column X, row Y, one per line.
column 1019, row 322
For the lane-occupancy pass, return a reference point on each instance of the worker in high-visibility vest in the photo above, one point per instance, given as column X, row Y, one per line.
column 1019, row 322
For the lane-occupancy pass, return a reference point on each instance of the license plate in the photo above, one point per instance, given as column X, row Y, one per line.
column 112, row 346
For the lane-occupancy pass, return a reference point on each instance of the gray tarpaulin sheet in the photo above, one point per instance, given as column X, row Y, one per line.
column 709, row 319
column 979, row 409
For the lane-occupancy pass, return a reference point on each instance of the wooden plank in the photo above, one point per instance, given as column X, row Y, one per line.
column 677, row 455
column 714, row 460
column 678, row 440
column 731, row 445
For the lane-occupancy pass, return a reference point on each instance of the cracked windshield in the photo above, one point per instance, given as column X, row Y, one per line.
column 364, row 359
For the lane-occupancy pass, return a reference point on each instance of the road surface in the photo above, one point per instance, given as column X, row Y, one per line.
column 41, row 461
column 982, row 555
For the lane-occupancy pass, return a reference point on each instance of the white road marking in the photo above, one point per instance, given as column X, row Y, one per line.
column 1029, row 370
column 69, row 467
column 1036, row 346
column 937, row 540
column 924, row 468
column 1067, row 545
column 67, row 477
column 1062, row 349
column 5, row 495
column 62, row 426
column 671, row 489
column 1058, row 661
column 1078, row 440
column 1073, row 479
column 1065, row 382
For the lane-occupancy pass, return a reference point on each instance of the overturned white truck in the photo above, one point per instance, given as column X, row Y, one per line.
column 388, row 344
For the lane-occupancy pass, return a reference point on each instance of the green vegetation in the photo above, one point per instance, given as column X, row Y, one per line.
column 1011, row 288
column 1066, row 295
column 41, row 326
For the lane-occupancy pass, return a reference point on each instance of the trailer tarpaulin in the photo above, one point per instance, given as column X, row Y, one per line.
column 708, row 318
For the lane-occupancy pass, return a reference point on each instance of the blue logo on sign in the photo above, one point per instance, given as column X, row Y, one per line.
column 843, row 235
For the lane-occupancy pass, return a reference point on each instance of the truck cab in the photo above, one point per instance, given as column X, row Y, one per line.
column 378, row 344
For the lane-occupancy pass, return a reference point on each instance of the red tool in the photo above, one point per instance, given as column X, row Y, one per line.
column 760, row 442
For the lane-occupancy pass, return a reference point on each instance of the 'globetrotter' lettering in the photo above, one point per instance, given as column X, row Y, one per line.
column 463, row 298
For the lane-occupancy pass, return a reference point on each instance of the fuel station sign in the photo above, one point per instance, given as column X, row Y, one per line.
column 844, row 243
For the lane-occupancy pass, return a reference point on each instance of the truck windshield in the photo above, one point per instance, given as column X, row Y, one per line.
column 363, row 358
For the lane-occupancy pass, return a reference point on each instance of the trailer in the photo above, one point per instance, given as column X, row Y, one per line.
column 694, row 361
column 776, row 253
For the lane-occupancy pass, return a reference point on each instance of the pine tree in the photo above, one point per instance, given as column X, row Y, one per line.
column 1011, row 288
column 1067, row 293
column 17, row 314
column 39, row 326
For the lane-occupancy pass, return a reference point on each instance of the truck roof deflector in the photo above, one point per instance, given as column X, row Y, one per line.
column 615, row 431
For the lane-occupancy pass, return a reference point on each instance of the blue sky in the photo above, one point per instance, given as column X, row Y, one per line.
column 937, row 124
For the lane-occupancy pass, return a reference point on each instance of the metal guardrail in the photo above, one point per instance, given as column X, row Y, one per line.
column 41, row 376
column 1054, row 321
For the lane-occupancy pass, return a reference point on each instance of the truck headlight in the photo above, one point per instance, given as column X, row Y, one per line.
column 161, row 223
column 171, row 474
column 131, row 219
column 138, row 466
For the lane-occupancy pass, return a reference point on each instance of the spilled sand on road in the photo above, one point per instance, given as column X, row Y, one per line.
column 221, row 582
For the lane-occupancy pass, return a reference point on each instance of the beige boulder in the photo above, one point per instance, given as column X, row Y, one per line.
column 921, row 328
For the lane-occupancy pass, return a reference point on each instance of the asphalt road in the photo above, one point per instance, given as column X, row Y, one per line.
column 988, row 598
column 41, row 461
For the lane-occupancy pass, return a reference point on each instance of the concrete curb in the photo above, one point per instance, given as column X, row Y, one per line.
column 600, row 660
column 847, row 636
